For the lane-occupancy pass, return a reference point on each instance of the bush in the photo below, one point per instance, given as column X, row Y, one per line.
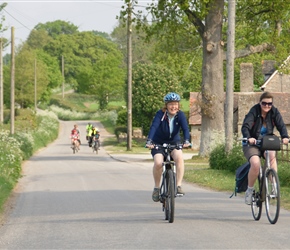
column 20, row 146
column 220, row 160
column 119, row 130
column 284, row 173
column 122, row 118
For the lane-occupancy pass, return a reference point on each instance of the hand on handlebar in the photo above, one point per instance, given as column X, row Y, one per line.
column 186, row 145
column 285, row 141
column 149, row 144
column 252, row 141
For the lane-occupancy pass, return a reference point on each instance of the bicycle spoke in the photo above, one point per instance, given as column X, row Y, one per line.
column 272, row 196
column 256, row 205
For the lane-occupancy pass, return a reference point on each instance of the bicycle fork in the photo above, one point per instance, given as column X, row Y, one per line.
column 163, row 189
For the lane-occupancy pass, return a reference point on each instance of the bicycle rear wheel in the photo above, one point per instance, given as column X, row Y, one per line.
column 256, row 205
column 170, row 197
column 272, row 202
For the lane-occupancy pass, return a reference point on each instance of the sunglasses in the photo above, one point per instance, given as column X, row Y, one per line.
column 266, row 103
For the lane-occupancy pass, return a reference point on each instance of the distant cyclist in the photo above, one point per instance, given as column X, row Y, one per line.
column 165, row 128
column 88, row 130
column 96, row 138
column 78, row 131
column 92, row 133
column 75, row 139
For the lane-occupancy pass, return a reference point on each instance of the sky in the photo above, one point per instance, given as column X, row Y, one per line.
column 99, row 15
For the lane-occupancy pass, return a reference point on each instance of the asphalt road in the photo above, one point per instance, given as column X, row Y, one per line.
column 89, row 201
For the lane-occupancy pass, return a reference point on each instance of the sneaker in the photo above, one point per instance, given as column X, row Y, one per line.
column 248, row 197
column 155, row 194
column 180, row 191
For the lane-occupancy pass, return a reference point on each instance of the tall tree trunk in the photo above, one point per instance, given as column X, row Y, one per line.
column 212, row 106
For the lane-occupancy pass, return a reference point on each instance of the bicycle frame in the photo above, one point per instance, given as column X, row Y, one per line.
column 166, row 165
column 168, row 189
column 268, row 192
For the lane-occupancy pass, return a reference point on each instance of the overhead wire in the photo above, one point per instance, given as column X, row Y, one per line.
column 17, row 20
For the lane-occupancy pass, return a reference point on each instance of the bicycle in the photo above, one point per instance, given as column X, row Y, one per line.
column 75, row 146
column 266, row 190
column 96, row 146
column 168, row 188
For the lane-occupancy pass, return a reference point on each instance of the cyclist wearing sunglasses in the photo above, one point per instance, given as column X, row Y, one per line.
column 261, row 120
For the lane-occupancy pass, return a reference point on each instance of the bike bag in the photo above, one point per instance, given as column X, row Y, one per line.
column 270, row 142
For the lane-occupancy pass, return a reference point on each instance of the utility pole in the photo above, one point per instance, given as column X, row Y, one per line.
column 129, row 76
column 35, row 89
column 62, row 70
column 12, row 102
column 1, row 83
column 230, row 76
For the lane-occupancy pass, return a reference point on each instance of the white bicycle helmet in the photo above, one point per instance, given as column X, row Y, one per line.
column 171, row 97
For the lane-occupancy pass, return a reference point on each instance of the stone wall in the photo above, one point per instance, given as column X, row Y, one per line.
column 246, row 77
column 242, row 104
column 277, row 84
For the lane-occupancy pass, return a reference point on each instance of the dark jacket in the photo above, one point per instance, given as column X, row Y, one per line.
column 253, row 123
column 159, row 131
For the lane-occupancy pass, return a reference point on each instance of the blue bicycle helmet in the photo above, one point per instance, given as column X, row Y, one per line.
column 171, row 97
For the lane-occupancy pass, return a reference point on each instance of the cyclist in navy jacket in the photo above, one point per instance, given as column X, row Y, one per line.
column 165, row 128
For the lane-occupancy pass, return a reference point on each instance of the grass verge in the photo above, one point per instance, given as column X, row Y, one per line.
column 197, row 171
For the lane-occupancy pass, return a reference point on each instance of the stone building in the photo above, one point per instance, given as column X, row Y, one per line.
column 275, row 83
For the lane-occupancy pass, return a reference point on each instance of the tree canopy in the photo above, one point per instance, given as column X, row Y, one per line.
column 150, row 83
column 258, row 22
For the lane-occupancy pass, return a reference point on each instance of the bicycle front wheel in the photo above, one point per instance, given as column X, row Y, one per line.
column 170, row 197
column 256, row 205
column 272, row 202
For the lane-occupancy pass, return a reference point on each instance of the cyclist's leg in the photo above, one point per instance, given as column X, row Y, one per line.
column 157, row 168
column 178, row 159
column 157, row 172
column 77, row 144
column 254, row 170
column 252, row 153
column 273, row 162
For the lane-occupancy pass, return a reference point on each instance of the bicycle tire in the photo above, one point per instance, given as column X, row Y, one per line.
column 164, row 195
column 272, row 202
column 170, row 197
column 256, row 205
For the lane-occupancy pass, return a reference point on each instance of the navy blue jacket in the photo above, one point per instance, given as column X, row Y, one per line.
column 253, row 123
column 159, row 131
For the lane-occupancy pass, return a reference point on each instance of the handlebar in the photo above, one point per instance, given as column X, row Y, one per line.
column 258, row 142
column 167, row 146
